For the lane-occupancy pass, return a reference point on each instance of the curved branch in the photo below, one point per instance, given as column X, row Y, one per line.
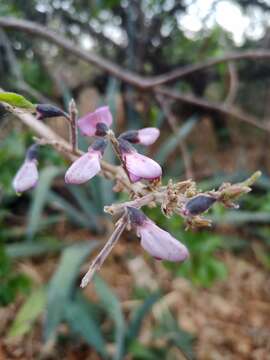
column 190, row 69
column 224, row 109
column 51, row 36
column 114, row 69
column 146, row 83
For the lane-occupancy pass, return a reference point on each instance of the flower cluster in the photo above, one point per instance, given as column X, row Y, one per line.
column 97, row 124
column 181, row 198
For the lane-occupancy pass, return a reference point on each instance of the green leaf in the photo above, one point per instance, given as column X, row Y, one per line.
column 40, row 198
column 112, row 305
column 85, row 204
column 17, row 100
column 240, row 217
column 19, row 250
column 74, row 214
column 170, row 330
column 28, row 313
column 140, row 313
column 62, row 285
column 80, row 321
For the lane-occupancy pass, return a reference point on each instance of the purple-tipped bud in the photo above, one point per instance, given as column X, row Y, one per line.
column 138, row 166
column 32, row 152
column 88, row 123
column 88, row 165
column 47, row 111
column 146, row 136
column 27, row 176
column 199, row 204
column 156, row 241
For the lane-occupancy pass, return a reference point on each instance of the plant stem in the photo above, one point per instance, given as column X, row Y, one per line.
column 101, row 257
column 73, row 126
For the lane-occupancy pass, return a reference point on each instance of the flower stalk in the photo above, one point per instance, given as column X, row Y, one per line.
column 101, row 257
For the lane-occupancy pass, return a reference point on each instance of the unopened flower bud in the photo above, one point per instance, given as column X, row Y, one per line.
column 48, row 111
column 88, row 123
column 138, row 166
column 27, row 176
column 156, row 241
column 146, row 136
column 199, row 204
column 88, row 165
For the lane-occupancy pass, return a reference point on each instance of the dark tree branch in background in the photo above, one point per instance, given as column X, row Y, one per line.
column 147, row 83
column 233, row 84
column 229, row 111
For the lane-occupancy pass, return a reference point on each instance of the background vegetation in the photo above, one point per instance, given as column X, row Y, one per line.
column 215, row 306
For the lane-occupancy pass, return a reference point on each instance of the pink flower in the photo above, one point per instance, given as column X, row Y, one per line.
column 88, row 165
column 138, row 166
column 27, row 176
column 156, row 241
column 88, row 123
column 146, row 136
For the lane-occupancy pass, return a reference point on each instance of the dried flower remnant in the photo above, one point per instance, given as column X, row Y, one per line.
column 88, row 165
column 138, row 166
column 156, row 241
column 88, row 124
column 27, row 176
column 145, row 136
column 47, row 111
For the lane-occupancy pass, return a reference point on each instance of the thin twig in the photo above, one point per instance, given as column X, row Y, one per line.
column 229, row 111
column 73, row 125
column 233, row 84
column 115, row 146
column 101, row 257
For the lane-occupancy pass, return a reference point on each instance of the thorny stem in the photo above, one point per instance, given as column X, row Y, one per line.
column 101, row 257
column 73, row 126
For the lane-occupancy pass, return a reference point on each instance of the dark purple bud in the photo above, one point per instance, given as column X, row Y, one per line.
column 199, row 204
column 32, row 152
column 47, row 111
column 99, row 145
column 131, row 136
column 136, row 216
column 101, row 129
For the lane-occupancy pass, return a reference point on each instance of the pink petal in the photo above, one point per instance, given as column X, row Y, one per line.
column 84, row 168
column 148, row 136
column 160, row 244
column 26, row 177
column 87, row 124
column 140, row 166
